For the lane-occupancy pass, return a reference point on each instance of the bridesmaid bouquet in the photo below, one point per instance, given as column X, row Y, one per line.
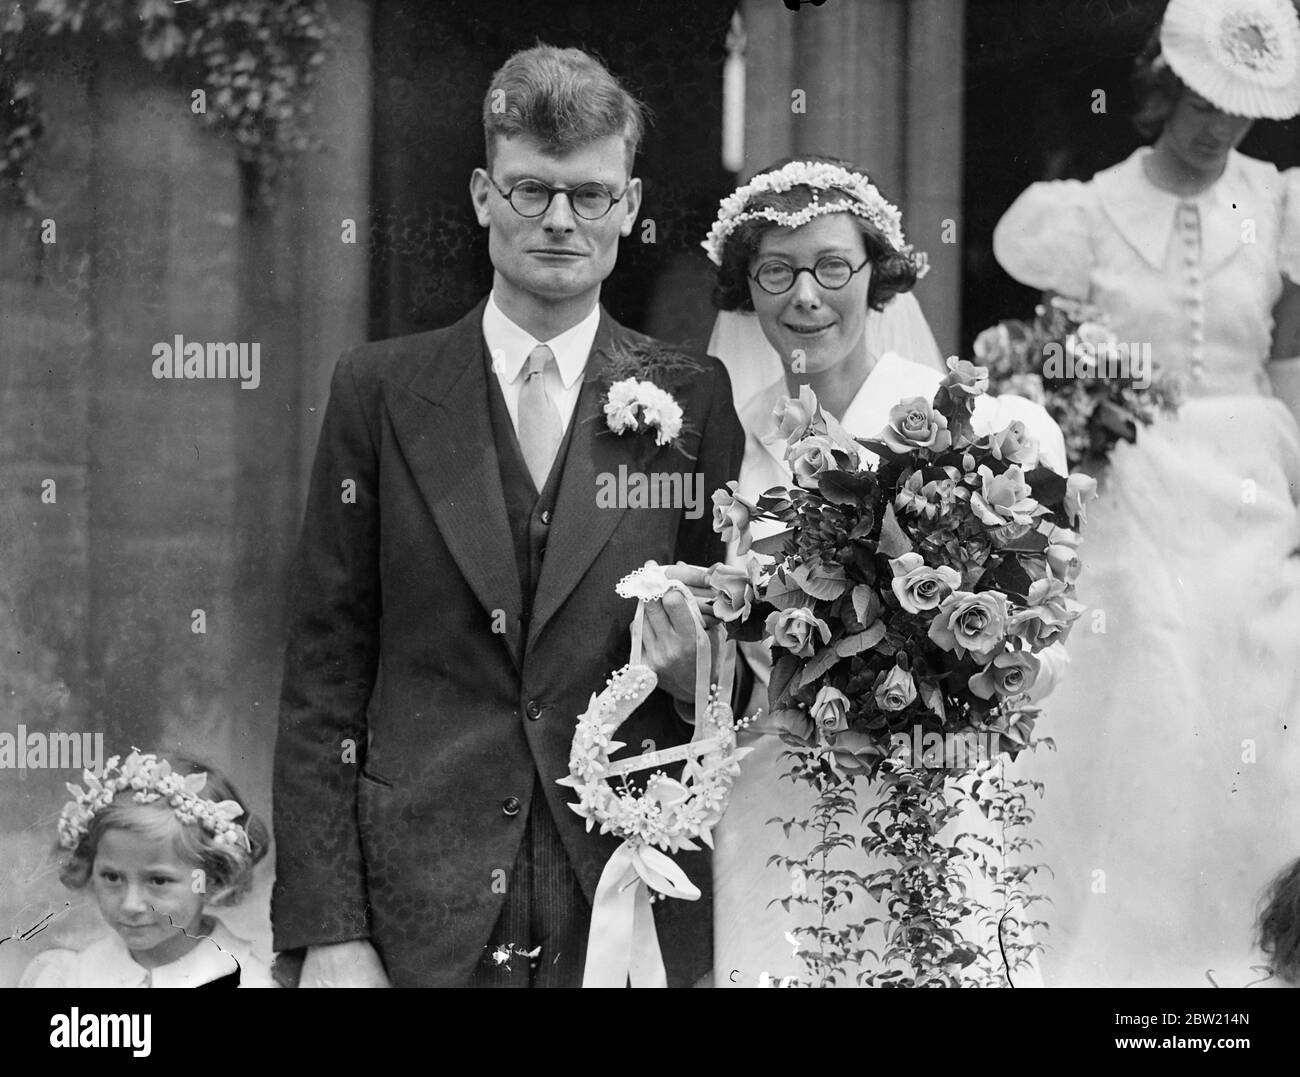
column 1097, row 388
column 908, row 608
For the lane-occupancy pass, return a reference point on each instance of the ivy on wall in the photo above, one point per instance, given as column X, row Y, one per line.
column 248, row 65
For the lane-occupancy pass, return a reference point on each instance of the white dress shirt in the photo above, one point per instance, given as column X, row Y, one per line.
column 510, row 345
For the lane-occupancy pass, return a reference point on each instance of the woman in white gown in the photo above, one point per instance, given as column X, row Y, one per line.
column 823, row 329
column 1174, row 795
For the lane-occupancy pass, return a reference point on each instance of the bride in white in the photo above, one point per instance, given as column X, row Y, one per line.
column 818, row 256
column 1175, row 794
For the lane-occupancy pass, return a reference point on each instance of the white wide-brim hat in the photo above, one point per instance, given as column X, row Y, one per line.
column 1243, row 56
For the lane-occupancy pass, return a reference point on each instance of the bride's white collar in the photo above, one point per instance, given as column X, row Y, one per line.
column 892, row 379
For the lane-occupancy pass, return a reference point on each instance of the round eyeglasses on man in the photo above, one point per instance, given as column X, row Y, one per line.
column 532, row 198
column 831, row 272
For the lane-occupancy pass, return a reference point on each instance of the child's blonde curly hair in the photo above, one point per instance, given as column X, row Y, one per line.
column 227, row 867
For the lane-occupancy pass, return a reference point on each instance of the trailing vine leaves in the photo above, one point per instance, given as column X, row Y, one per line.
column 249, row 64
column 923, row 925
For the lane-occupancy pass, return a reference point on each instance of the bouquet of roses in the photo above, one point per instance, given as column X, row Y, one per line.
column 1098, row 389
column 909, row 603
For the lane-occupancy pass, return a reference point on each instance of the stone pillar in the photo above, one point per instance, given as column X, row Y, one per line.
column 305, row 297
column 882, row 86
column 171, row 495
column 335, row 186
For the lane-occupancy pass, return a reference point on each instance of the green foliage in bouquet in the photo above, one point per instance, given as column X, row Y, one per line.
column 1098, row 389
column 256, row 61
column 909, row 607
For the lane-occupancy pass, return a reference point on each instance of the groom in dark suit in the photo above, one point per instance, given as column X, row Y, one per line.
column 453, row 601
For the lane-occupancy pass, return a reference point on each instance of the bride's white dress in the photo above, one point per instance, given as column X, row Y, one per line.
column 1174, row 795
column 749, row 929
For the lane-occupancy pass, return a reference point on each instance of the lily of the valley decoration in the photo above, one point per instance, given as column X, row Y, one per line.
column 670, row 815
column 248, row 64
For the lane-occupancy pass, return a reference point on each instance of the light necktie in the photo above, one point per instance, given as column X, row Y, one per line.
column 539, row 419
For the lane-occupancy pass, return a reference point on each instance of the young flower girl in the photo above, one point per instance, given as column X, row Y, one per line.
column 156, row 841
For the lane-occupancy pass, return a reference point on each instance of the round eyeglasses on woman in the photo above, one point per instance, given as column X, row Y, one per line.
column 831, row 272
column 532, row 198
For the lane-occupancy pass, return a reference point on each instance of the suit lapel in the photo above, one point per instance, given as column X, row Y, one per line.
column 442, row 425
column 582, row 527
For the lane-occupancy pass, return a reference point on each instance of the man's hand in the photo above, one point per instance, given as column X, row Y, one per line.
column 669, row 638
column 343, row 964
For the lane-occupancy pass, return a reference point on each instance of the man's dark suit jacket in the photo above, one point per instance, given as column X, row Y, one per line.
column 407, row 653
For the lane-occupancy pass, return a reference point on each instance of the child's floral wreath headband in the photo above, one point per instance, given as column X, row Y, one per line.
column 866, row 202
column 152, row 779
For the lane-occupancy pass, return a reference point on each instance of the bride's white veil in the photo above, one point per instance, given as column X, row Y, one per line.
column 753, row 363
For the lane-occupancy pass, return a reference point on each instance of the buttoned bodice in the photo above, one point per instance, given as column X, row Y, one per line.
column 1196, row 278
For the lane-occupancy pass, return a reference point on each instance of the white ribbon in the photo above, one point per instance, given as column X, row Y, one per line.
column 623, row 944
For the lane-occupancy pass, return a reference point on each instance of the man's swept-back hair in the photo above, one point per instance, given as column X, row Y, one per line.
column 563, row 98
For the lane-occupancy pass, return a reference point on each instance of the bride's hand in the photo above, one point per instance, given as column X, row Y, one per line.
column 693, row 576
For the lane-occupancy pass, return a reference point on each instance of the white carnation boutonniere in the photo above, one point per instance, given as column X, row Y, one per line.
column 634, row 404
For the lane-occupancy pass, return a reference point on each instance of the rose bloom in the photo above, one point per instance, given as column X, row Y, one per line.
column 972, row 624
column 992, row 344
column 1094, row 334
column 734, row 589
column 809, row 457
column 1010, row 674
column 895, row 690
column 796, row 418
column 1079, row 490
column 1049, row 613
column 1015, row 444
column 1064, row 563
column 794, row 629
column 1030, row 386
column 843, row 440
column 914, row 424
column 830, row 710
column 1060, row 536
column 852, row 751
column 918, row 587
column 1003, row 498
column 965, row 377
column 731, row 517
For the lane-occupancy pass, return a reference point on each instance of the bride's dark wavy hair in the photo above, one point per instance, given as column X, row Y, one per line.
column 891, row 272
column 1279, row 924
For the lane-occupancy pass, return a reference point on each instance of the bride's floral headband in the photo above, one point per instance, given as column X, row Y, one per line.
column 151, row 779
column 866, row 202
